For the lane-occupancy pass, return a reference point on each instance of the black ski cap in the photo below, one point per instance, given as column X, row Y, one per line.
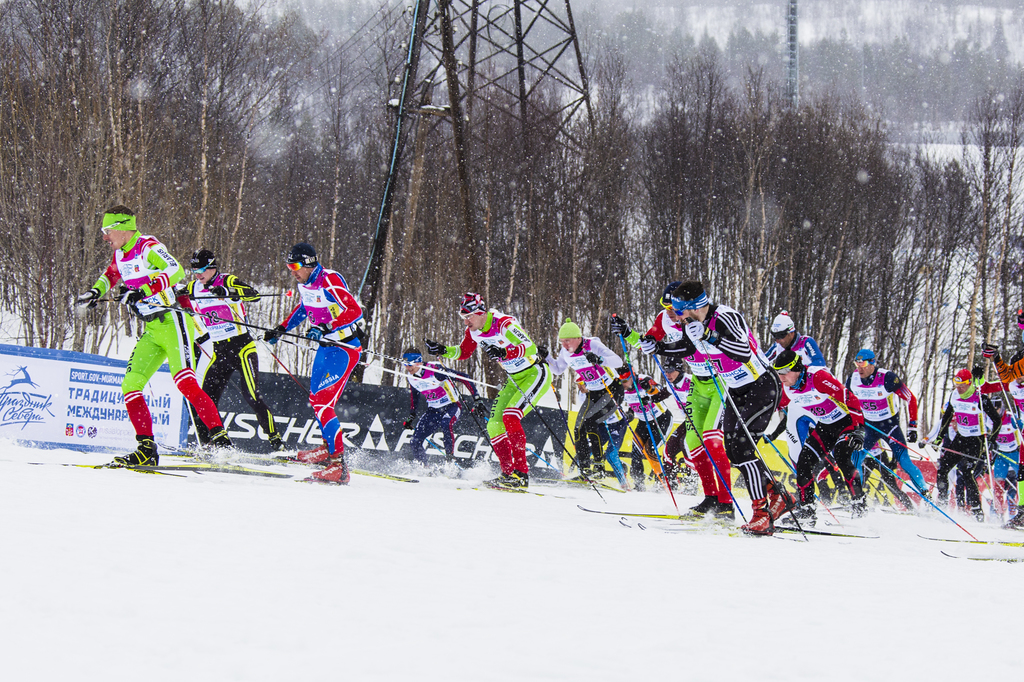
column 303, row 254
column 203, row 259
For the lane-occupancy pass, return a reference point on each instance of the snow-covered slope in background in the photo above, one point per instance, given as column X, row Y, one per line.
column 116, row 575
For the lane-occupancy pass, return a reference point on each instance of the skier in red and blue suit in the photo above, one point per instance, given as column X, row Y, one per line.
column 333, row 312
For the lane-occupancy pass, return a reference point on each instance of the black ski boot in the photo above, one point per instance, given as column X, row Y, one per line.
column 708, row 504
column 723, row 511
column 144, row 455
column 276, row 444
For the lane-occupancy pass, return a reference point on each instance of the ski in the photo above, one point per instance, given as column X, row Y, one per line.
column 209, row 468
column 389, row 477
column 111, row 466
column 812, row 531
column 1004, row 543
column 518, row 491
column 576, row 483
column 671, row 517
column 1007, row 560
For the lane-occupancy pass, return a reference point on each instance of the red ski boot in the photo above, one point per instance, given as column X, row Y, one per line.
column 779, row 501
column 335, row 472
column 315, row 456
column 761, row 523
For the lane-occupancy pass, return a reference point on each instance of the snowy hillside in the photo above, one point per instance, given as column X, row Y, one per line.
column 116, row 575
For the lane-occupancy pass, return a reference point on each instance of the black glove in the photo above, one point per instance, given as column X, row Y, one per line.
column 978, row 372
column 594, row 358
column 480, row 406
column 89, row 298
column 435, row 348
column 495, row 352
column 619, row 326
column 645, row 384
column 200, row 340
column 407, row 424
column 542, row 353
column 911, row 435
column 219, row 291
column 856, row 438
column 990, row 352
column 272, row 334
column 129, row 297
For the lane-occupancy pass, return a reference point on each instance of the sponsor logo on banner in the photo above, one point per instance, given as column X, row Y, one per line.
column 42, row 389
column 20, row 406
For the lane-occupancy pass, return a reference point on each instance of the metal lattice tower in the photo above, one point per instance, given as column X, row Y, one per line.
column 792, row 56
column 507, row 54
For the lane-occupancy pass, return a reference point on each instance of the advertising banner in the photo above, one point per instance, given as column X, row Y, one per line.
column 54, row 398
column 371, row 420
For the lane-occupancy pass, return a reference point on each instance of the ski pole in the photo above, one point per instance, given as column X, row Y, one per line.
column 697, row 431
column 639, row 446
column 285, row 368
column 565, row 418
column 650, row 432
column 399, row 361
column 739, row 416
column 689, row 418
column 924, row 497
column 555, row 436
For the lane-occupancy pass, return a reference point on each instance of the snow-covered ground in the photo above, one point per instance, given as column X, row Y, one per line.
column 116, row 575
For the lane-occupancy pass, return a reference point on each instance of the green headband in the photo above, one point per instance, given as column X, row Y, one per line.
column 118, row 221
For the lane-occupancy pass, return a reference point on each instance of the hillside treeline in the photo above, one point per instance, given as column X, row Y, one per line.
column 233, row 128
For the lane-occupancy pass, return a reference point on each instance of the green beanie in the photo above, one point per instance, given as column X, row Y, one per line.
column 569, row 330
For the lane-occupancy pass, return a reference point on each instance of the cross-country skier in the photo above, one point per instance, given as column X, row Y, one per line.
column 592, row 363
column 1006, row 459
column 333, row 313
column 751, row 388
column 1013, row 369
column 877, row 390
column 785, row 336
column 973, row 416
column 653, row 421
column 704, row 404
column 147, row 273
column 506, row 342
column 837, row 432
column 434, row 383
column 225, row 346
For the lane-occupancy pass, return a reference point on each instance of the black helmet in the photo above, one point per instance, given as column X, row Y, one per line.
column 788, row 361
column 203, row 259
column 303, row 254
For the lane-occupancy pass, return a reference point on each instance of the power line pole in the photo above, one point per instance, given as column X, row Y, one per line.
column 792, row 56
column 484, row 50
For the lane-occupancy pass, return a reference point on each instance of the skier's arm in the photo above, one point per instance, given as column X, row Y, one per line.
column 992, row 412
column 731, row 335
column 295, row 317
column 239, row 289
column 1008, row 373
column 817, row 358
column 462, row 378
column 167, row 270
column 461, row 351
column 522, row 345
column 108, row 279
column 608, row 358
column 893, row 384
column 350, row 313
column 830, row 386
